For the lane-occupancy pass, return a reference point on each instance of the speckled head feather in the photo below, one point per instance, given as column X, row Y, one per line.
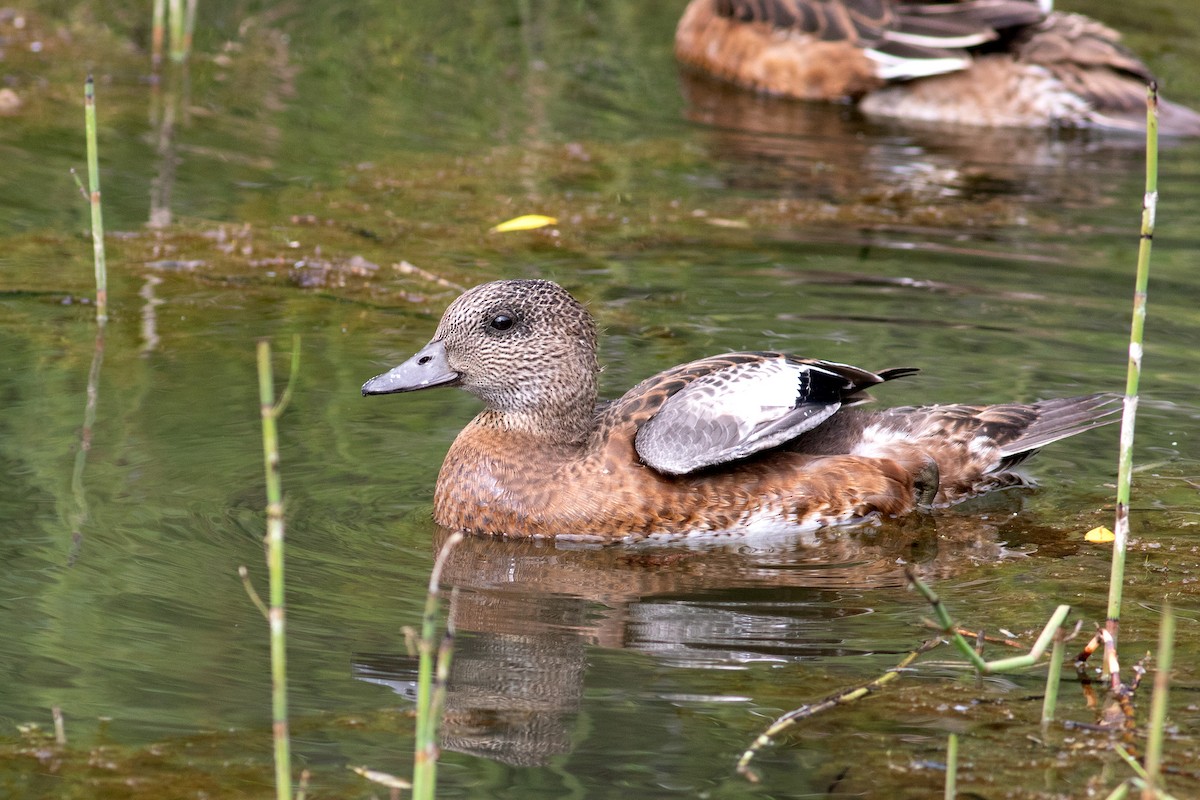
column 511, row 342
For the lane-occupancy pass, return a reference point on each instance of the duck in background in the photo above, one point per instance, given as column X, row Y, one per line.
column 992, row 63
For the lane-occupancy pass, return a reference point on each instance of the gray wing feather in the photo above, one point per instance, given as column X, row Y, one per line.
column 730, row 414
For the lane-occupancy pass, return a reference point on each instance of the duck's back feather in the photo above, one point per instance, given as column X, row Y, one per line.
column 903, row 39
column 975, row 447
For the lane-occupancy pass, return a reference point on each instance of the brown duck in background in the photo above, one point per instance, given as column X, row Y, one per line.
column 996, row 63
column 740, row 443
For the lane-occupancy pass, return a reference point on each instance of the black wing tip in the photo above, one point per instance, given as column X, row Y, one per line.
column 897, row 372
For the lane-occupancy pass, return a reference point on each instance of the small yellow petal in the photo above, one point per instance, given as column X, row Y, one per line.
column 1101, row 535
column 525, row 222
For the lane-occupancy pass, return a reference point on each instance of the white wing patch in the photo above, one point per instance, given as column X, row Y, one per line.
column 890, row 68
column 754, row 394
column 732, row 413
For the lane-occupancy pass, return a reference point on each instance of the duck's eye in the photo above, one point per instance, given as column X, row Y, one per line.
column 501, row 322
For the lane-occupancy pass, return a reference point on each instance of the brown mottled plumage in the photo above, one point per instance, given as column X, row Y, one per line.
column 737, row 443
column 998, row 63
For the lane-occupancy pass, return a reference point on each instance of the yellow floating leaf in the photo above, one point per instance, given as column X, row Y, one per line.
column 1101, row 535
column 525, row 222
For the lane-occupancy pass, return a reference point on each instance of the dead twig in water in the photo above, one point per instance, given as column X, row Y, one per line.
column 812, row 709
column 949, row 628
column 970, row 634
column 1112, row 664
column 405, row 268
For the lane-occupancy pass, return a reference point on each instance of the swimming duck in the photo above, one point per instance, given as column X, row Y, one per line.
column 736, row 443
column 999, row 63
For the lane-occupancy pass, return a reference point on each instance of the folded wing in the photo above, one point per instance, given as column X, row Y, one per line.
column 744, row 406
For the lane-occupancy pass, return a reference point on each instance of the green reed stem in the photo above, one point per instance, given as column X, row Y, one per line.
column 176, row 25
column 270, row 412
column 425, row 752
column 189, row 27
column 441, row 680
column 1053, row 676
column 60, row 727
column 1119, row 793
column 1134, row 371
column 1132, row 762
column 93, row 159
column 950, row 629
column 157, row 32
column 952, row 767
column 1158, row 704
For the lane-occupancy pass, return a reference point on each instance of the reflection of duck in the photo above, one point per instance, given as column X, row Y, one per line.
column 739, row 443
column 830, row 153
column 512, row 692
column 527, row 612
column 1000, row 63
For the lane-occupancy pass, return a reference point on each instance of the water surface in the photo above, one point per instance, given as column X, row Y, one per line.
column 311, row 149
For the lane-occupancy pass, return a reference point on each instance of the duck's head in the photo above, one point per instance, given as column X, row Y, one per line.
column 524, row 347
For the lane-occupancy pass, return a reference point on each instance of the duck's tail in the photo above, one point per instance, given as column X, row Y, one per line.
column 976, row 447
column 1057, row 419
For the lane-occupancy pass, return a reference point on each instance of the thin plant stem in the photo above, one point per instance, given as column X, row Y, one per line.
column 1119, row 793
column 93, row 159
column 252, row 594
column 270, row 412
column 78, row 490
column 441, row 680
column 425, row 753
column 157, row 32
column 441, row 676
column 189, row 27
column 294, row 372
column 1053, row 676
column 175, row 23
column 1125, row 755
column 1158, row 703
column 809, row 710
column 1133, row 373
column 988, row 667
column 952, row 767
column 60, row 728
